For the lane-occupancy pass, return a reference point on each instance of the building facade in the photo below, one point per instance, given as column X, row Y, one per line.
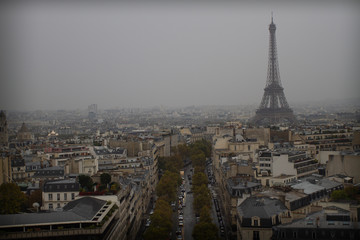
column 56, row 194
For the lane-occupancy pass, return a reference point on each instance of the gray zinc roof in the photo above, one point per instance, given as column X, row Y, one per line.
column 308, row 187
column 242, row 185
column 263, row 207
column 328, row 184
column 83, row 209
column 67, row 185
column 50, row 171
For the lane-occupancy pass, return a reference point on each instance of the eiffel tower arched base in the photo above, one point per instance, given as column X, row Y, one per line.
column 274, row 116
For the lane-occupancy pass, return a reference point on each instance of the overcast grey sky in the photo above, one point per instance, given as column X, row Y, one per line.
column 67, row 56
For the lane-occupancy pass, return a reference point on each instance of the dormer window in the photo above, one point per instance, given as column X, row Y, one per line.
column 255, row 221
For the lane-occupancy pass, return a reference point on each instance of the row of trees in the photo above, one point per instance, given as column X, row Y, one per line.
column 161, row 220
column 205, row 228
column 166, row 190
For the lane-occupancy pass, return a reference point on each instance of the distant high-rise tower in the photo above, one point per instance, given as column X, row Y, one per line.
column 92, row 111
column 273, row 107
column 4, row 138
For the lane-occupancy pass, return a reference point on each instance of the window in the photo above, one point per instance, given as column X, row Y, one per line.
column 51, row 206
column 58, row 196
column 58, row 205
column 256, row 222
column 65, row 196
column 72, row 196
column 294, row 234
column 256, row 235
column 50, row 197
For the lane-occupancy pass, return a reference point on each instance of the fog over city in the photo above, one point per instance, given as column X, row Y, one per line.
column 69, row 55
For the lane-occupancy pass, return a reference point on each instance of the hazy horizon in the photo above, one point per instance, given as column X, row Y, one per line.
column 124, row 55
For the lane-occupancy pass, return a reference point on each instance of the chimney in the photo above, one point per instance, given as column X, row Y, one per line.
column 317, row 222
column 282, row 198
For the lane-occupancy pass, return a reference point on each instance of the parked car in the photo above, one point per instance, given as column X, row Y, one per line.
column 179, row 231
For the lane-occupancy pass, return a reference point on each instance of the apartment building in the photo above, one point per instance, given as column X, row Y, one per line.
column 56, row 194
column 345, row 163
column 256, row 217
column 284, row 162
column 18, row 168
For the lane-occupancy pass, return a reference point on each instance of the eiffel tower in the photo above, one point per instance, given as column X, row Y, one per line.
column 273, row 108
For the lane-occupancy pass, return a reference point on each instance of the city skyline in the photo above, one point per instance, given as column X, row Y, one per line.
column 65, row 56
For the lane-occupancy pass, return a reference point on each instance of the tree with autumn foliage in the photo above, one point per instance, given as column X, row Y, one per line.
column 167, row 186
column 349, row 193
column 161, row 222
column 12, row 200
column 86, row 182
column 35, row 196
column 201, row 198
column 105, row 178
column 205, row 231
column 198, row 179
column 173, row 163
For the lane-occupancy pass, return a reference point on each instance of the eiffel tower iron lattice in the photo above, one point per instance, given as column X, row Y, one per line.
column 273, row 108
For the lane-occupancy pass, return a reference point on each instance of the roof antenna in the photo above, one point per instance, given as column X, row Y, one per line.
column 272, row 17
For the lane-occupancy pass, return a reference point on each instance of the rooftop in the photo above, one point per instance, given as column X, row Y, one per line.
column 263, row 207
column 323, row 220
column 308, row 187
column 80, row 210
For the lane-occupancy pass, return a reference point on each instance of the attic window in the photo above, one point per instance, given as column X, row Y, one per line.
column 255, row 221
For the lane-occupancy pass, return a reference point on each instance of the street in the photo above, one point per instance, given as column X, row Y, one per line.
column 189, row 215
